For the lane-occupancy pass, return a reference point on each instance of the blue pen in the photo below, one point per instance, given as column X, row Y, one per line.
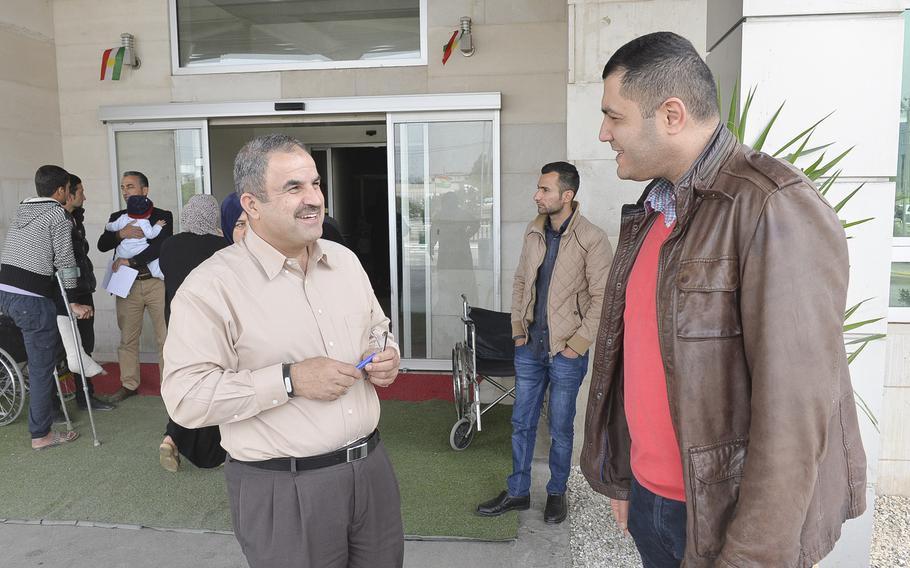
column 369, row 358
column 366, row 361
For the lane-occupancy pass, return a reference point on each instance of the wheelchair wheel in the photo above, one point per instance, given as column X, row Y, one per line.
column 12, row 389
column 460, row 383
column 462, row 434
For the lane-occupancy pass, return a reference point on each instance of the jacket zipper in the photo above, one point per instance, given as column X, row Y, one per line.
column 675, row 236
column 533, row 292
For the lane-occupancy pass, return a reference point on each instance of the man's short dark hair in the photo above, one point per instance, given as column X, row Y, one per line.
column 50, row 178
column 74, row 183
column 568, row 175
column 253, row 159
column 143, row 181
column 661, row 65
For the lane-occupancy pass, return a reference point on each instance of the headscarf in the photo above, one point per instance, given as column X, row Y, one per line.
column 230, row 212
column 200, row 215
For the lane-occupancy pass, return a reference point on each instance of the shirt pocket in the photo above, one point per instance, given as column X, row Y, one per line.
column 715, row 476
column 358, row 330
column 707, row 299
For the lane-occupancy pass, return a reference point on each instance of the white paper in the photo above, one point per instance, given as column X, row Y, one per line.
column 119, row 283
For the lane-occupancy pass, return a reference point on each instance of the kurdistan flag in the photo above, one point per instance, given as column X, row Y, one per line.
column 112, row 63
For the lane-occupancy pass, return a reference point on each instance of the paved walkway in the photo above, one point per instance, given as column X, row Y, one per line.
column 69, row 546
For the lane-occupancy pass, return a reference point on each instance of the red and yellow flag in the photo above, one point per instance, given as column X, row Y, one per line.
column 112, row 63
column 450, row 46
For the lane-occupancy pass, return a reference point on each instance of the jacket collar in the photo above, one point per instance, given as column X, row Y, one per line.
column 704, row 171
column 539, row 222
column 701, row 174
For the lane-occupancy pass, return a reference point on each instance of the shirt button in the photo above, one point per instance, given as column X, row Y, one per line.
column 318, row 311
column 274, row 401
column 331, row 344
column 350, row 411
column 236, row 416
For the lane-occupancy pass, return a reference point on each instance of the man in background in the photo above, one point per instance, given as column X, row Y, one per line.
column 147, row 292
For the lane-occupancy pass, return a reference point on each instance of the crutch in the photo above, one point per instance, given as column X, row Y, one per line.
column 74, row 273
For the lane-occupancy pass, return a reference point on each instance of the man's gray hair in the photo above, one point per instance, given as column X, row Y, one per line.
column 253, row 159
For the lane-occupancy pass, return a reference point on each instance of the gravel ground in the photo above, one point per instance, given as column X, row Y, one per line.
column 891, row 536
column 593, row 536
column 597, row 543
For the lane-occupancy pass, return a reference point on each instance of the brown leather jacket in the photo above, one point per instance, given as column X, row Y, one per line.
column 752, row 286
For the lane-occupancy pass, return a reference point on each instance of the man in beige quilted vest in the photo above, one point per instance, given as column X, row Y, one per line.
column 556, row 302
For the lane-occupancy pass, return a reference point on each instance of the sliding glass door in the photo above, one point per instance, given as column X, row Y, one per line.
column 444, row 209
column 173, row 155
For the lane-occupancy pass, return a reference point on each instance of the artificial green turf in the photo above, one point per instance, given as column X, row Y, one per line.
column 440, row 488
column 121, row 482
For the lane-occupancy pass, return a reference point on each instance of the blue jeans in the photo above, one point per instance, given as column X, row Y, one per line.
column 533, row 373
column 37, row 318
column 658, row 527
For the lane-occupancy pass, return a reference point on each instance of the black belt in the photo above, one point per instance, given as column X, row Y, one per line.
column 144, row 273
column 352, row 452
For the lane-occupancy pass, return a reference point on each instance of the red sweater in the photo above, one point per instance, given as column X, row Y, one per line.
column 656, row 463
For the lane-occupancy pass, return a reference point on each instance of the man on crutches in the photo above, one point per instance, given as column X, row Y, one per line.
column 27, row 286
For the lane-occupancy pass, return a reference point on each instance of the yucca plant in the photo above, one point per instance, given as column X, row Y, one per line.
column 817, row 169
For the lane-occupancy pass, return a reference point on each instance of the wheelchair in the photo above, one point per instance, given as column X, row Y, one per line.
column 12, row 383
column 486, row 353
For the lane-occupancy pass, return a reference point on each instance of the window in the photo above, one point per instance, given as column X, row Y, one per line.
column 222, row 36
column 899, row 300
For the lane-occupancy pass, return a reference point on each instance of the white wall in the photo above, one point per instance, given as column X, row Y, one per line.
column 822, row 56
column 29, row 107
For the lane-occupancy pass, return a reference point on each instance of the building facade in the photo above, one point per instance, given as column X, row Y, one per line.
column 430, row 167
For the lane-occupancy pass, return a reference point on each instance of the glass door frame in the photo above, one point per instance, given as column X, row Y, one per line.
column 114, row 127
column 393, row 119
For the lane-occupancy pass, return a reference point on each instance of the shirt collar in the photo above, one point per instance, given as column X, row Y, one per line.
column 562, row 228
column 271, row 259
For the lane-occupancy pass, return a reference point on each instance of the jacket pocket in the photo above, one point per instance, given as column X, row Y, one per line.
column 707, row 299
column 715, row 475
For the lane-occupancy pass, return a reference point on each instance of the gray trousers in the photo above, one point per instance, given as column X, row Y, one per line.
column 347, row 515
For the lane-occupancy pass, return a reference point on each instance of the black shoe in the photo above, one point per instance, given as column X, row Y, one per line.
column 96, row 405
column 556, row 510
column 503, row 503
column 121, row 394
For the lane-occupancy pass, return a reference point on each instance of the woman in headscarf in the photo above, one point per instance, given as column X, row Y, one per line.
column 233, row 219
column 200, row 238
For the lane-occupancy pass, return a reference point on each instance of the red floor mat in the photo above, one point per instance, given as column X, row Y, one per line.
column 408, row 386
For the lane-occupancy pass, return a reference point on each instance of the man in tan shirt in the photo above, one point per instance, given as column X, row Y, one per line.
column 264, row 340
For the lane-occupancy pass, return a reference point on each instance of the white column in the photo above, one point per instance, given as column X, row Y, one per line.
column 822, row 56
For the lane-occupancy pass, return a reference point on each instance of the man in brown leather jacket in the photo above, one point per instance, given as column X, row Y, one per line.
column 721, row 419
